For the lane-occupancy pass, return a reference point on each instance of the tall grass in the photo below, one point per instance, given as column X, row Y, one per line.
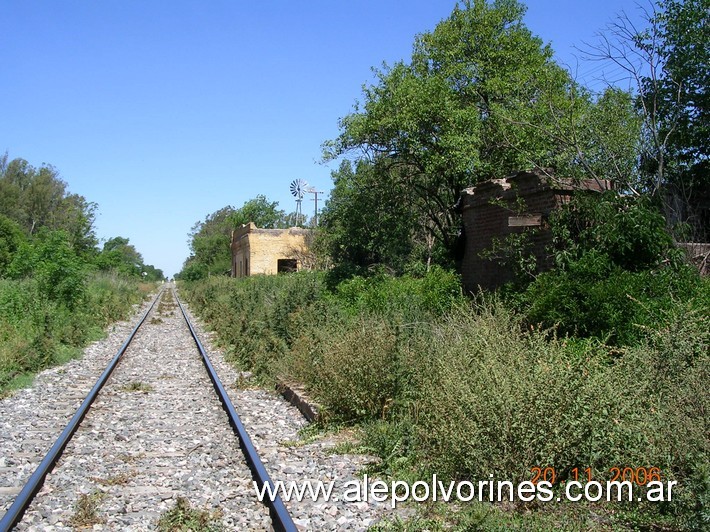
column 37, row 332
column 467, row 389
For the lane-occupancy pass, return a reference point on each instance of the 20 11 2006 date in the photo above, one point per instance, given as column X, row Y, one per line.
column 636, row 475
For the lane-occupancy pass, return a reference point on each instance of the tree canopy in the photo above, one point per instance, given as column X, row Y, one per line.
column 38, row 198
column 667, row 63
column 47, row 232
column 481, row 98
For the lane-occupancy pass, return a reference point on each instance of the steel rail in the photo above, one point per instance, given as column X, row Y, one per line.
column 34, row 484
column 280, row 517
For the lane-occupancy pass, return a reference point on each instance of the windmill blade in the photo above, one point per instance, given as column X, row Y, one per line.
column 298, row 187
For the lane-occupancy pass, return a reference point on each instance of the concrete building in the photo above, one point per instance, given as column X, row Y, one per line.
column 268, row 251
column 496, row 209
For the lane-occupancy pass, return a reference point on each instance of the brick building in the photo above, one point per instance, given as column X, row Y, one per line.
column 522, row 203
column 267, row 251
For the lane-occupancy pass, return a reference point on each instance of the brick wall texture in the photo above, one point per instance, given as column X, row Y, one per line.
column 500, row 207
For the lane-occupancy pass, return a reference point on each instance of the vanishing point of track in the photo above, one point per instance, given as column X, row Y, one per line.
column 280, row 518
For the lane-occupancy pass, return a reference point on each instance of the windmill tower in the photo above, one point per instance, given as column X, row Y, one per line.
column 298, row 188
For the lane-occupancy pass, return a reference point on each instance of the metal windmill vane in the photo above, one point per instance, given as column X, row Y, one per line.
column 298, row 188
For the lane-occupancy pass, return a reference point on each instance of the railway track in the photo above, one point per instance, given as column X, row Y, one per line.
column 156, row 433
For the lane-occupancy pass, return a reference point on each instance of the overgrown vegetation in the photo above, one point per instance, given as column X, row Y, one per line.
column 138, row 386
column 464, row 390
column 618, row 273
column 58, row 290
column 86, row 510
column 183, row 517
column 601, row 362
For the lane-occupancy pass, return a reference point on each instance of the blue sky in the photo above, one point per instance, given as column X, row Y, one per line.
column 164, row 112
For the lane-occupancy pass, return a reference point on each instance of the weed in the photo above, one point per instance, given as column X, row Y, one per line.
column 86, row 510
column 130, row 458
column 137, row 386
column 37, row 332
column 308, row 434
column 468, row 390
column 244, row 381
column 118, row 480
column 182, row 516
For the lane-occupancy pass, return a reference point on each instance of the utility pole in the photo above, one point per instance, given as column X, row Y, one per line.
column 315, row 192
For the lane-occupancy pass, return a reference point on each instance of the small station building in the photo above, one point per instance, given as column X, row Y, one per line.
column 268, row 251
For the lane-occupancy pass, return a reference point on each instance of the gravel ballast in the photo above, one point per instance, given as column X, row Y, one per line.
column 157, row 433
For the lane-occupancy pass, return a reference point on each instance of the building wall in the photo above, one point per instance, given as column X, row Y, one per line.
column 257, row 251
column 500, row 207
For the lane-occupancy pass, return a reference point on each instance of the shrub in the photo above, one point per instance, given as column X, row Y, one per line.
column 465, row 391
column 254, row 316
column 595, row 298
column 37, row 330
column 59, row 271
column 355, row 366
column 493, row 400
column 405, row 299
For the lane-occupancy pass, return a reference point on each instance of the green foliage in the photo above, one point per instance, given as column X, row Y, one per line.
column 367, row 221
column 442, row 386
column 37, row 331
column 617, row 275
column 59, row 272
column 404, row 299
column 261, row 212
column 37, row 198
column 267, row 319
column 86, row 510
column 606, row 366
column 481, row 98
column 628, row 230
column 109, row 297
column 354, row 366
column 52, row 301
column 493, row 400
column 256, row 315
column 118, row 255
column 183, row 517
column 677, row 99
column 11, row 239
column 600, row 135
column 666, row 60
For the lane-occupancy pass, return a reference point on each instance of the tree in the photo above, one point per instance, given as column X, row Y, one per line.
column 667, row 64
column 368, row 221
column 121, row 256
column 260, row 211
column 152, row 274
column 481, row 98
column 11, row 239
column 50, row 259
column 209, row 243
column 38, row 198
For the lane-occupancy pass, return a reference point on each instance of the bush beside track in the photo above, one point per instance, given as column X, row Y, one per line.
column 465, row 389
column 38, row 330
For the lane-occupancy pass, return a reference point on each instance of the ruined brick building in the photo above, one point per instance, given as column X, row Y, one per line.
column 267, row 251
column 519, row 204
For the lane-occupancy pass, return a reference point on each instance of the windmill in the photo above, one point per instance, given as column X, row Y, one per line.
column 298, row 188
